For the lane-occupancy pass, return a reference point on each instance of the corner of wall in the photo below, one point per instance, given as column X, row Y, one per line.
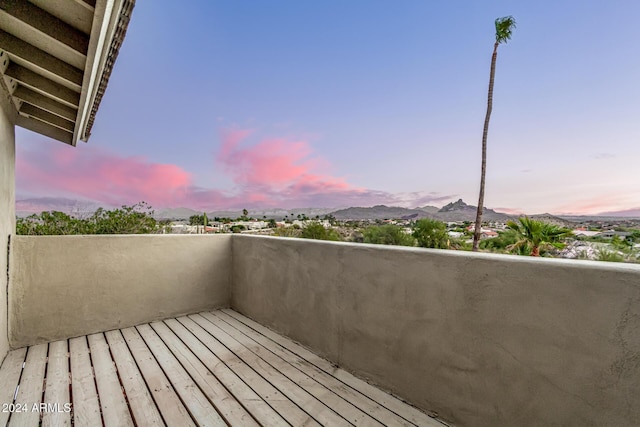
column 7, row 209
column 232, row 270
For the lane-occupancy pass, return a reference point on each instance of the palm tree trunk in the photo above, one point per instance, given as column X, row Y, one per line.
column 485, row 131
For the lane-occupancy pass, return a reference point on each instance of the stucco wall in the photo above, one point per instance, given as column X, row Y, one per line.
column 484, row 340
column 66, row 286
column 7, row 208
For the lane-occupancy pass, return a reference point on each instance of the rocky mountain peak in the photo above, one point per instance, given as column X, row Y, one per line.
column 455, row 206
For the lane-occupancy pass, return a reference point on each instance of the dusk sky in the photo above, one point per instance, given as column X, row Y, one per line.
column 245, row 104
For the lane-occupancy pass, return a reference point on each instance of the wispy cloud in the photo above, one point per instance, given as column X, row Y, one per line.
column 603, row 156
column 265, row 172
column 595, row 205
column 509, row 211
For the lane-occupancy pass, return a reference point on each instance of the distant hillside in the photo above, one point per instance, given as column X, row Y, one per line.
column 379, row 212
column 460, row 211
column 455, row 211
column 26, row 207
column 632, row 213
column 176, row 213
column 429, row 209
column 552, row 219
column 275, row 213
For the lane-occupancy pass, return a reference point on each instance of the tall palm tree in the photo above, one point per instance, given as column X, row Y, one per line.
column 536, row 234
column 504, row 27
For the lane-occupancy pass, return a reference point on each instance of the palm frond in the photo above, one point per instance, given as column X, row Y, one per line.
column 504, row 28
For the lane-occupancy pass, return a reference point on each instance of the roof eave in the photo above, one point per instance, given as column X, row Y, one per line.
column 110, row 22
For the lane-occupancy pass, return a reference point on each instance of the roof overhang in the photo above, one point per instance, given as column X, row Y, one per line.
column 56, row 57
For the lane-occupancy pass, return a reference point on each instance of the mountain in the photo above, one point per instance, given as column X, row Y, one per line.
column 175, row 213
column 429, row 209
column 455, row 211
column 379, row 212
column 26, row 207
column 275, row 213
column 460, row 211
column 633, row 213
column 552, row 219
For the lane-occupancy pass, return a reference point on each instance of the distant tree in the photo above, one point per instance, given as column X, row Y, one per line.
column 387, row 235
column 272, row 223
column 52, row 223
column 431, row 233
column 315, row 230
column 238, row 228
column 196, row 219
column 504, row 28
column 287, row 232
column 205, row 220
column 245, row 213
column 506, row 239
column 537, row 235
column 330, row 218
column 135, row 219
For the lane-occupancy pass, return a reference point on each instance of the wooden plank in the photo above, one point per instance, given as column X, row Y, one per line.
column 324, row 394
column 225, row 402
column 173, row 411
column 356, row 398
column 202, row 411
column 248, row 398
column 86, row 406
column 9, row 376
column 141, row 403
column 287, row 409
column 56, row 391
column 31, row 387
column 390, row 402
column 314, row 407
column 115, row 411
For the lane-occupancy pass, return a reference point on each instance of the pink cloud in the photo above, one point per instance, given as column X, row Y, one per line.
column 277, row 162
column 93, row 173
column 271, row 172
column 509, row 211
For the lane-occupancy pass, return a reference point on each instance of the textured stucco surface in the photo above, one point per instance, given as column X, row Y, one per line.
column 484, row 340
column 66, row 286
column 7, row 208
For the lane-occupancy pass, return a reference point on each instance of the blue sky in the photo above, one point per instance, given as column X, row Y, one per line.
column 220, row 104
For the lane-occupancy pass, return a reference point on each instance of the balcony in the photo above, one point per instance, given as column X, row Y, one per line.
column 278, row 331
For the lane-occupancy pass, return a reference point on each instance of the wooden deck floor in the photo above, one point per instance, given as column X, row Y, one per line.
column 208, row 369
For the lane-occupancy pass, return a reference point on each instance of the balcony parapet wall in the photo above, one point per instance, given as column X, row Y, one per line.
column 67, row 286
column 482, row 339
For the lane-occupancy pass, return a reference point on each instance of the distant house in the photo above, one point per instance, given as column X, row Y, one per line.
column 584, row 232
column 610, row 234
column 488, row 234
